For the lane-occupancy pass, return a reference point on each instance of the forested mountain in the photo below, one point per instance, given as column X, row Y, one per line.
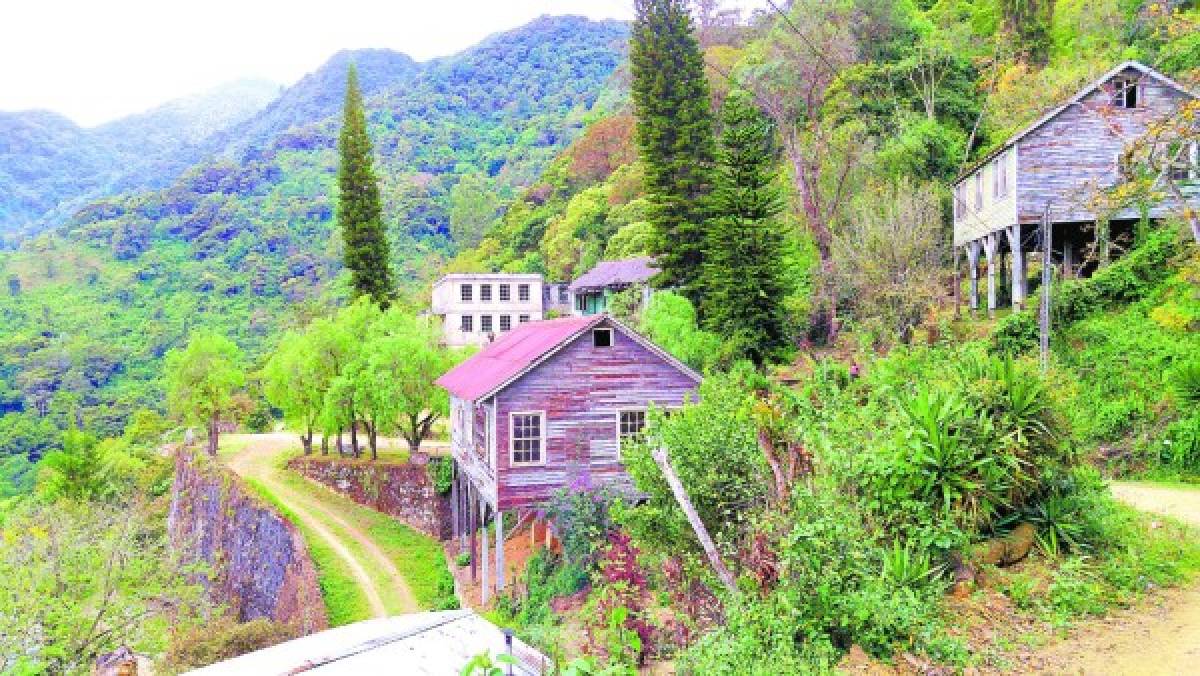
column 243, row 242
column 49, row 166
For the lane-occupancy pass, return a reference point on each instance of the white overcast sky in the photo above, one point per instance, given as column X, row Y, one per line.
column 97, row 60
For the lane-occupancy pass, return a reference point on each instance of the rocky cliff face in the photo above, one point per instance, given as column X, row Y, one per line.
column 256, row 561
column 402, row 491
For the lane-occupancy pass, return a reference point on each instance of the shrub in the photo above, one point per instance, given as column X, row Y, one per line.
column 582, row 519
column 223, row 639
column 1185, row 383
column 440, row 471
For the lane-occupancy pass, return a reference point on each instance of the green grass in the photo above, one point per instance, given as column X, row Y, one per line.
column 344, row 600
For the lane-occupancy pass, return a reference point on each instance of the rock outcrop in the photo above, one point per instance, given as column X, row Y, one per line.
column 255, row 561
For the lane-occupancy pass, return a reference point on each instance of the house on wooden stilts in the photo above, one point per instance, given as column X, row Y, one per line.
column 547, row 407
column 1060, row 167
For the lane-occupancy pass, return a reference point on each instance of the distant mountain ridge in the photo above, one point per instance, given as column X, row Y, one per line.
column 50, row 166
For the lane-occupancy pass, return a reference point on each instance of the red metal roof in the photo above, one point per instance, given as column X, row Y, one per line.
column 512, row 353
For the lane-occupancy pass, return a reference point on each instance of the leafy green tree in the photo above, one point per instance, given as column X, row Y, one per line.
column 360, row 211
column 670, row 321
column 203, row 381
column 473, row 207
column 742, row 280
column 86, row 469
column 78, row 580
column 342, row 345
column 294, row 381
column 674, row 136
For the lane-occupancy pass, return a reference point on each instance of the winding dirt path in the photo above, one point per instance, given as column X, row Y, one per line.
column 259, row 460
column 1158, row 637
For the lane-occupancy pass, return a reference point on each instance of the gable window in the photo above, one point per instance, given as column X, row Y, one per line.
column 485, row 293
column 468, row 324
column 1125, row 92
column 631, row 426
column 466, row 292
column 527, row 438
column 523, row 293
column 505, row 322
column 523, row 318
column 485, row 323
column 505, row 293
column 602, row 337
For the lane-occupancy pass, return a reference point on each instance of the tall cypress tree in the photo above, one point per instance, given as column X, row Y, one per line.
column 674, row 136
column 359, row 211
column 743, row 283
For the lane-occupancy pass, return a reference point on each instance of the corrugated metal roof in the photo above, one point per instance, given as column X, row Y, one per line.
column 421, row 643
column 608, row 273
column 499, row 362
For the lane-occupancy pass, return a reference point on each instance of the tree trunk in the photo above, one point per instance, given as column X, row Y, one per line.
column 354, row 439
column 213, row 436
column 341, row 449
column 307, row 440
column 373, row 439
column 324, row 444
column 685, row 503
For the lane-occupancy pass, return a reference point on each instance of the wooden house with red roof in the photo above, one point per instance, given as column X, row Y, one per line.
column 548, row 406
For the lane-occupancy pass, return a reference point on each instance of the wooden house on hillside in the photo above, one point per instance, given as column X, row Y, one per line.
column 593, row 290
column 548, row 406
column 1057, row 167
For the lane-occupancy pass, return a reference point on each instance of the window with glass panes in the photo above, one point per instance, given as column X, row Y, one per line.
column 466, row 293
column 485, row 293
column 630, row 426
column 527, row 438
column 468, row 324
column 505, row 293
column 523, row 293
column 523, row 318
column 505, row 322
column 485, row 323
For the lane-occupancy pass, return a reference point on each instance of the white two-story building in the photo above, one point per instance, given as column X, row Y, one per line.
column 477, row 307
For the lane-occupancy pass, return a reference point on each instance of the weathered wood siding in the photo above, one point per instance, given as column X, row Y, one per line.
column 997, row 211
column 1071, row 157
column 581, row 389
column 468, row 445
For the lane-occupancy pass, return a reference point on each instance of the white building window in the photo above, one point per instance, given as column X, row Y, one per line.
column 485, row 293
column 527, row 438
column 631, row 426
column 523, row 293
column 485, row 323
column 466, row 293
column 505, row 322
column 505, row 293
column 468, row 324
column 522, row 319
column 602, row 337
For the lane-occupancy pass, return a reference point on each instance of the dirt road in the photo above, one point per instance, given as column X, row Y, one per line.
column 1159, row 637
column 385, row 588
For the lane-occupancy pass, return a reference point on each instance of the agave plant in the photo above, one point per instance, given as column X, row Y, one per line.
column 908, row 567
column 1185, row 382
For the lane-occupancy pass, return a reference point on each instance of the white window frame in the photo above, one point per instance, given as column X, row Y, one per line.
column 466, row 293
column 620, row 437
column 504, row 292
column 523, row 319
column 524, row 293
column 505, row 323
column 466, row 324
column 486, row 325
column 512, row 439
column 485, row 293
column 611, row 337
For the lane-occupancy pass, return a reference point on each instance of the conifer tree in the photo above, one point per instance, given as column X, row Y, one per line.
column 359, row 211
column 674, row 137
column 744, row 288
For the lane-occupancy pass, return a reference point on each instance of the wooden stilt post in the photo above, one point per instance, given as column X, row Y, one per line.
column 1047, row 280
column 483, row 551
column 973, row 264
column 989, row 250
column 455, row 525
column 499, row 551
column 957, row 282
column 1018, row 265
column 472, row 525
